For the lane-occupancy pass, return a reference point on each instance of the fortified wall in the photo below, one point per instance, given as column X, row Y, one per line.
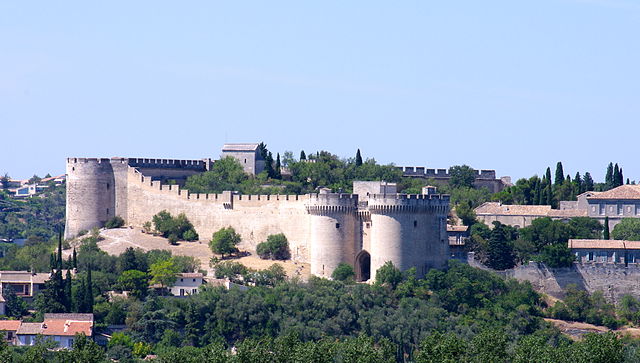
column 483, row 178
column 323, row 229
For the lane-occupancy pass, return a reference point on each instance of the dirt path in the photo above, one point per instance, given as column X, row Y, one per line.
column 118, row 240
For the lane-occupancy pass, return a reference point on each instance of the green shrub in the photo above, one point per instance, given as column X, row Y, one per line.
column 275, row 248
column 175, row 228
column 114, row 222
column 344, row 272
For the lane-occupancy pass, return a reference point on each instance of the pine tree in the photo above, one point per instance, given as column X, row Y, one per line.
column 588, row 182
column 559, row 174
column 608, row 179
column 358, row 158
column 303, row 156
column 605, row 232
column 276, row 171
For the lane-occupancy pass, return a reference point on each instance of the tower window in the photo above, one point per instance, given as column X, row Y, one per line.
column 107, row 211
column 415, row 224
column 107, row 186
column 337, row 225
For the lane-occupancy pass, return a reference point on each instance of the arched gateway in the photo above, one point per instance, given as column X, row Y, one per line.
column 363, row 266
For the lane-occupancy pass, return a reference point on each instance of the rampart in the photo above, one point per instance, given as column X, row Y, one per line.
column 422, row 172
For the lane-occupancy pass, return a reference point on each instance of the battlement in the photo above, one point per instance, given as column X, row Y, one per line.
column 332, row 203
column 380, row 203
column 422, row 172
column 87, row 160
column 166, row 163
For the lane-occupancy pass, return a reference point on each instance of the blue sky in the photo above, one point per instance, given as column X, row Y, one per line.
column 508, row 85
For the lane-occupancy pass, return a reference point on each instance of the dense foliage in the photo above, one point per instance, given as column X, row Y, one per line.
column 628, row 229
column 276, row 247
column 174, row 228
column 224, row 241
column 38, row 216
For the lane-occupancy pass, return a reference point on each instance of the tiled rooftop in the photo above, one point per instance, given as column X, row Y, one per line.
column 621, row 192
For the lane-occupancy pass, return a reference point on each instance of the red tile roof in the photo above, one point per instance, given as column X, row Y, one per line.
column 607, row 244
column 10, row 325
column 621, row 192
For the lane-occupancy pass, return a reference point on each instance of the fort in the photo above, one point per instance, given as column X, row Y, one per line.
column 483, row 178
column 364, row 230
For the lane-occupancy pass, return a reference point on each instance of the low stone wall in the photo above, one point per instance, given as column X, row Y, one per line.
column 614, row 280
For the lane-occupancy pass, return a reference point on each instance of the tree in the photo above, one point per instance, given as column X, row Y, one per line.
column 224, row 241
column 616, row 176
column 4, row 181
column 89, row 294
column 605, row 232
column 74, row 259
column 500, row 252
column 608, row 179
column 15, row 306
column 343, row 272
column 388, row 274
column 68, row 298
column 559, row 174
column 137, row 282
column 276, row 247
column 225, row 174
column 303, row 156
column 628, row 229
column 466, row 213
column 276, row 170
column 268, row 165
column 461, row 176
column 578, row 184
column 163, row 273
column 557, row 255
column 620, row 178
column 358, row 158
column 588, row 182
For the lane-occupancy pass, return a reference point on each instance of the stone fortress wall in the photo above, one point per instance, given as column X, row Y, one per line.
column 483, row 178
column 322, row 229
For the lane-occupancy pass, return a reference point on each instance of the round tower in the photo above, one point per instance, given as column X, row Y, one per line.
column 90, row 194
column 408, row 230
column 334, row 231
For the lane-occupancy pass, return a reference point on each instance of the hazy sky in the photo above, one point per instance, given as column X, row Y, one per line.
column 508, row 85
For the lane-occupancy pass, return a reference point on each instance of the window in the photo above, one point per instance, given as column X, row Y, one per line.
column 369, row 224
column 194, row 291
column 590, row 256
column 181, row 280
column 194, row 280
column 620, row 209
column 337, row 225
column 602, row 209
column 415, row 224
column 107, row 186
column 107, row 211
column 181, row 292
column 70, row 343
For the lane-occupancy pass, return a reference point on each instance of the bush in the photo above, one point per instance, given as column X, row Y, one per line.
column 224, row 241
column 344, row 272
column 173, row 228
column 114, row 222
column 275, row 248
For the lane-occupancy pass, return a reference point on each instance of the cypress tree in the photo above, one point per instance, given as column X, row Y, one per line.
column 75, row 259
column 559, row 174
column 588, row 182
column 79, row 298
column 276, row 171
column 268, row 164
column 303, row 156
column 616, row 176
column 608, row 179
column 358, row 158
column 628, row 181
column 605, row 231
column 549, row 188
column 67, row 292
column 620, row 178
column 578, row 184
column 537, row 199
column 89, row 293
column 60, row 251
column 52, row 261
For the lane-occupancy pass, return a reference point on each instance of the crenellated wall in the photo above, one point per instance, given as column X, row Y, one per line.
column 408, row 230
column 323, row 229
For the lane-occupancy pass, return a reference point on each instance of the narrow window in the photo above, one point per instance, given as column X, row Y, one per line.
column 107, row 186
column 194, row 280
column 337, row 225
column 107, row 211
column 415, row 224
column 369, row 224
column 245, row 161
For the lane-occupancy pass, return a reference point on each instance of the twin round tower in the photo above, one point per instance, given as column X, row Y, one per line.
column 365, row 229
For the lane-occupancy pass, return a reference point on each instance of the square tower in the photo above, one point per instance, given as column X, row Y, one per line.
column 248, row 155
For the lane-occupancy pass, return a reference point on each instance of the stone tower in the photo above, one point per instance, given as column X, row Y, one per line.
column 408, row 230
column 334, row 231
column 90, row 194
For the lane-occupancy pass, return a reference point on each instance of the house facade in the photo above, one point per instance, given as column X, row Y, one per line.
column 58, row 328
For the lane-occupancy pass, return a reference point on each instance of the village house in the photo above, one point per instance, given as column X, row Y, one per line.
column 59, row 328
